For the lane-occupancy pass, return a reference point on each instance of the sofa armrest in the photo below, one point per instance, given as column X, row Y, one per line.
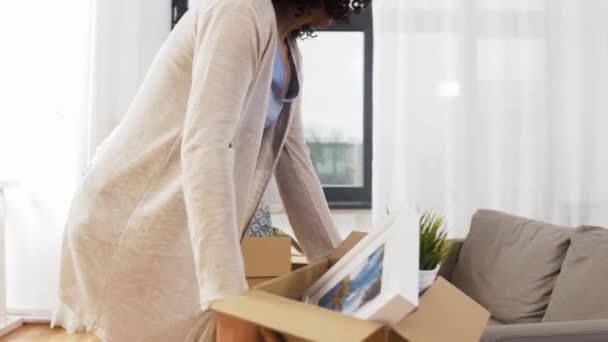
column 568, row 331
column 449, row 263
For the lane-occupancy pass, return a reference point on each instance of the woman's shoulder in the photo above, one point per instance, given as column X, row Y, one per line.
column 261, row 10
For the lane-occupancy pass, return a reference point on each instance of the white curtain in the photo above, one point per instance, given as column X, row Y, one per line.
column 496, row 104
column 44, row 82
column 69, row 71
column 127, row 36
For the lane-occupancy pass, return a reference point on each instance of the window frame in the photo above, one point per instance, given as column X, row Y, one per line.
column 342, row 197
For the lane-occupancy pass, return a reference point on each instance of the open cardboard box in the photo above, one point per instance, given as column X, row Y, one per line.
column 443, row 314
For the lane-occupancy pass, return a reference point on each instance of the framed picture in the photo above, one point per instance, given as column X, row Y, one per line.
column 376, row 280
column 346, row 259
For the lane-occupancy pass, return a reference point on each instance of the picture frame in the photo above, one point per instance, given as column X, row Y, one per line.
column 344, row 261
column 378, row 279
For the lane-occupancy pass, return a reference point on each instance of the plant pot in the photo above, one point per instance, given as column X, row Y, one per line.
column 426, row 278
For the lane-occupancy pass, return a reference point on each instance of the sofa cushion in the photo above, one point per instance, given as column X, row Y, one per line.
column 509, row 264
column 581, row 289
column 572, row 331
column 492, row 322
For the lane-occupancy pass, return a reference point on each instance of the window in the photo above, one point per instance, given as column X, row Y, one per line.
column 337, row 108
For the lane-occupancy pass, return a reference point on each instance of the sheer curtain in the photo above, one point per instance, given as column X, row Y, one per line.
column 492, row 104
column 44, row 68
column 127, row 36
column 69, row 71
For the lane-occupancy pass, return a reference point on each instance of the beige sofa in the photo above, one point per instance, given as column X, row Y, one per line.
column 541, row 282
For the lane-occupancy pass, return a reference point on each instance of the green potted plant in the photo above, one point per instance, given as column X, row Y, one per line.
column 434, row 246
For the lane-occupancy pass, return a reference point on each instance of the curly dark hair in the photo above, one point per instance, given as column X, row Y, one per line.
column 339, row 10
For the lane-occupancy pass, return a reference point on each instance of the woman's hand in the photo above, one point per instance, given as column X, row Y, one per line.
column 270, row 336
column 229, row 329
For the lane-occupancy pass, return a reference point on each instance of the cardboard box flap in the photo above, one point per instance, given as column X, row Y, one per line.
column 293, row 285
column 444, row 314
column 346, row 246
column 257, row 281
column 296, row 319
column 266, row 257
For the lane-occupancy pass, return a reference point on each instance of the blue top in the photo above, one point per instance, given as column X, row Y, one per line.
column 277, row 102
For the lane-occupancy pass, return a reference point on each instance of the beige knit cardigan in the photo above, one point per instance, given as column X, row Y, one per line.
column 154, row 230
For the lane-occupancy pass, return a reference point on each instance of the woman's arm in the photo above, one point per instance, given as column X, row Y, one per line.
column 302, row 195
column 225, row 60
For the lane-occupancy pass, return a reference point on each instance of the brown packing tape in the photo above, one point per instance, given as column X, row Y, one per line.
column 296, row 319
column 266, row 257
column 444, row 314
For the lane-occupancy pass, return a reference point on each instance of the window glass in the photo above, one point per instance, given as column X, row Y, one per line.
column 332, row 107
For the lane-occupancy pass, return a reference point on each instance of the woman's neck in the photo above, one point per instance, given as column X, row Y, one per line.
column 287, row 21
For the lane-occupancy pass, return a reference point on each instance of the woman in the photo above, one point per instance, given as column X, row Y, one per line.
column 153, row 236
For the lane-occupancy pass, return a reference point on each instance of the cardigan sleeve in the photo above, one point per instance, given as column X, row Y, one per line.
column 225, row 59
column 302, row 195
